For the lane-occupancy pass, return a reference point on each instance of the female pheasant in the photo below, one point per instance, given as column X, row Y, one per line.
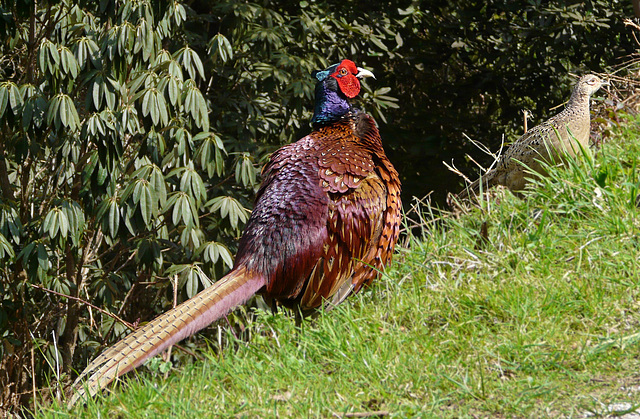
column 326, row 220
column 563, row 133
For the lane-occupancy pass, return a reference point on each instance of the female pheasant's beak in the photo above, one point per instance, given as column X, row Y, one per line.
column 362, row 73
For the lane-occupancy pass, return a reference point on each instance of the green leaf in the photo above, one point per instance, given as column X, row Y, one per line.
column 43, row 58
column 146, row 102
column 63, row 223
column 173, row 90
column 192, row 183
column 97, row 88
column 195, row 104
column 219, row 161
column 245, row 172
column 156, row 180
column 52, row 111
column 64, row 60
column 191, row 62
column 138, row 81
column 4, row 97
column 179, row 13
column 182, row 210
column 10, row 224
column 48, row 56
column 153, row 104
column 229, row 207
column 33, row 111
column 87, row 48
column 15, row 97
column 191, row 285
column 50, row 223
column 6, row 250
column 175, row 71
column 64, row 112
column 53, row 53
column 113, row 217
column 68, row 113
column 185, row 210
column 148, row 206
column 190, row 237
column 212, row 251
column 43, row 257
column 75, row 214
column 198, row 64
column 162, row 107
column 25, row 253
column 377, row 42
column 148, row 48
column 219, row 46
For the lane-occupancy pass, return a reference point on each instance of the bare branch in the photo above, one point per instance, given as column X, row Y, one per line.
column 85, row 302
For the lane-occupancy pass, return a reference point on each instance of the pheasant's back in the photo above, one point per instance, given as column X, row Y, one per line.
column 332, row 200
column 573, row 123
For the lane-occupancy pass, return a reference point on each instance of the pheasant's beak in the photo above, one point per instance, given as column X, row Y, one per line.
column 362, row 73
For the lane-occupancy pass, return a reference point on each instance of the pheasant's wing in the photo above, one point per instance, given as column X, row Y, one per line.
column 362, row 223
column 355, row 225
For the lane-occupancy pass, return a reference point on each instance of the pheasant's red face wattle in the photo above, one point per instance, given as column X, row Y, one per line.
column 345, row 74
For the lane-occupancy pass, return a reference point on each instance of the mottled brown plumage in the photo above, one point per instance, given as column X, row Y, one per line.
column 325, row 221
column 565, row 132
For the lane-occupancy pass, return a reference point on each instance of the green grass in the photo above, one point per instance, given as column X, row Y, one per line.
column 537, row 318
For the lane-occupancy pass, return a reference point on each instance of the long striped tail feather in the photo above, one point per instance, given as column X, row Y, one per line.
column 165, row 330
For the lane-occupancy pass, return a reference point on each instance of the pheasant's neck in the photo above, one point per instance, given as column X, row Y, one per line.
column 330, row 106
column 578, row 100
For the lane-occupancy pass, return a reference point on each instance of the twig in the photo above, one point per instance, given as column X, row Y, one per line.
column 481, row 146
column 33, row 379
column 362, row 414
column 188, row 352
column 455, row 170
column 629, row 22
column 526, row 115
column 80, row 300
column 126, row 323
column 558, row 106
column 485, row 150
column 174, row 281
column 55, row 346
column 92, row 321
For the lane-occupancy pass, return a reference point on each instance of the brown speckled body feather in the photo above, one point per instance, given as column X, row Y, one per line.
column 566, row 132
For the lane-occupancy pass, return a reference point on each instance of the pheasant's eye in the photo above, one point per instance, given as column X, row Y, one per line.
column 343, row 71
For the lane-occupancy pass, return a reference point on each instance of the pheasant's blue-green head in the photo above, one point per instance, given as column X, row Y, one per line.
column 336, row 85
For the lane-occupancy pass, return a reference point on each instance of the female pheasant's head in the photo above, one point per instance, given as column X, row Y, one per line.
column 587, row 86
column 590, row 84
column 336, row 85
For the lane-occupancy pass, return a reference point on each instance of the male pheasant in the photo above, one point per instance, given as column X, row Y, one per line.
column 546, row 142
column 325, row 221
